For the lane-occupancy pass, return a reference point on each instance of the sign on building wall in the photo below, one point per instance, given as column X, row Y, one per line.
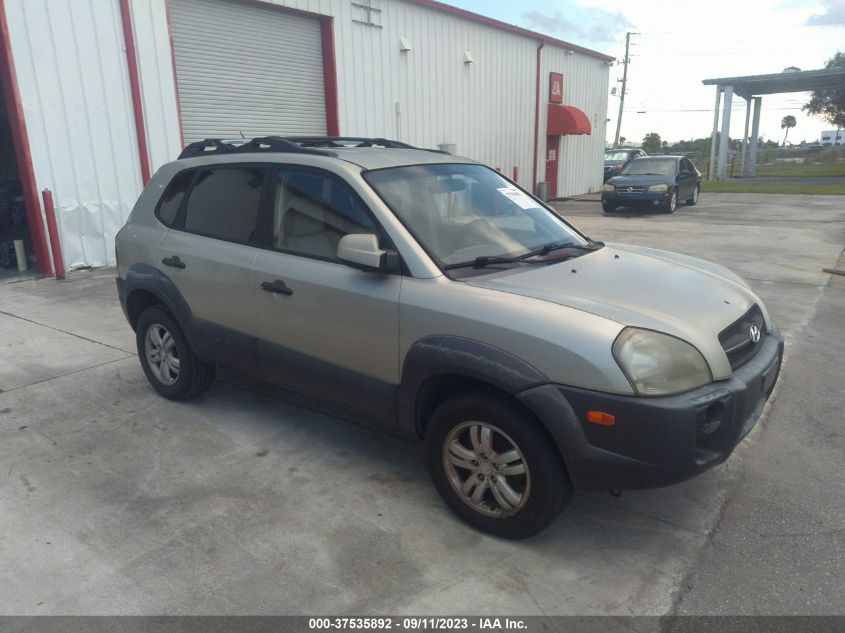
column 555, row 88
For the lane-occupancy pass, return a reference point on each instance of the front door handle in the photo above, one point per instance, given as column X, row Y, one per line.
column 173, row 262
column 278, row 287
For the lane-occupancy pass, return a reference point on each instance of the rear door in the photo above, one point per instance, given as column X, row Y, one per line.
column 208, row 255
column 325, row 328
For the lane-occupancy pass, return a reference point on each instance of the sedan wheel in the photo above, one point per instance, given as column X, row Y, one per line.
column 672, row 204
column 486, row 469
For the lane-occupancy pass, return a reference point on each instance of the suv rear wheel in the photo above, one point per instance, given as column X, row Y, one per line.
column 494, row 466
column 170, row 365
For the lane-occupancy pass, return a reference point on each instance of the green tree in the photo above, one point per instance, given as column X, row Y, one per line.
column 788, row 122
column 651, row 143
column 829, row 103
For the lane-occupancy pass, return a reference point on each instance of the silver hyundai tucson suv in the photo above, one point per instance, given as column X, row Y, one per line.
column 435, row 298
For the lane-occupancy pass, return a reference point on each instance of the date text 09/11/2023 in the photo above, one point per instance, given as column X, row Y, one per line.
column 416, row 623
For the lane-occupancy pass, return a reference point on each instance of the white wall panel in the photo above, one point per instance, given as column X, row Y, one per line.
column 158, row 89
column 74, row 87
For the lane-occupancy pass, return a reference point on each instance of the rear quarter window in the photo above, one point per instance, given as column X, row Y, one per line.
column 168, row 206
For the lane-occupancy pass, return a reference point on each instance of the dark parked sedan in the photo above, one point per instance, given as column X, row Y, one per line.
column 615, row 160
column 653, row 181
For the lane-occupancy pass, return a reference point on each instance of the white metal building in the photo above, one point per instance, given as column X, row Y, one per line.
column 833, row 137
column 98, row 94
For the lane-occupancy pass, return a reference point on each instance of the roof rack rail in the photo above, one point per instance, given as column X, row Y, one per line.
column 212, row 146
column 347, row 141
column 206, row 147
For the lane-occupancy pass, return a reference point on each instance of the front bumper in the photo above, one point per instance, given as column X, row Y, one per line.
column 656, row 441
column 635, row 198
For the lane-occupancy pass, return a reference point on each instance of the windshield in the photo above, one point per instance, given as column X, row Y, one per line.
column 616, row 157
column 655, row 166
column 462, row 212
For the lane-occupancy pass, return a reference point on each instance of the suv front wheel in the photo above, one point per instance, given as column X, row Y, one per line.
column 170, row 365
column 494, row 466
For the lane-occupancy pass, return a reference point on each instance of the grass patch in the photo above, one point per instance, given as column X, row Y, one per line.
column 803, row 170
column 732, row 186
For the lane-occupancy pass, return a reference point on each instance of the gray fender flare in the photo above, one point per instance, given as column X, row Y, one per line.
column 151, row 279
column 434, row 356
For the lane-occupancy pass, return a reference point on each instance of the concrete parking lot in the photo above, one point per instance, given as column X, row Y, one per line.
column 116, row 501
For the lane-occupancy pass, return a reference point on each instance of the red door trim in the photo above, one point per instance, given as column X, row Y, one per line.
column 552, row 143
column 537, row 119
column 135, row 86
column 175, row 81
column 330, row 76
column 23, row 154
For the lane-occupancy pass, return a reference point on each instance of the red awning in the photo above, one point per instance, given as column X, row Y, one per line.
column 565, row 119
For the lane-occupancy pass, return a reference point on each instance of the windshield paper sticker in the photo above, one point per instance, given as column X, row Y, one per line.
column 520, row 198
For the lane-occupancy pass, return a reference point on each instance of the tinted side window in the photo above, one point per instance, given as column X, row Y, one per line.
column 224, row 203
column 168, row 206
column 313, row 210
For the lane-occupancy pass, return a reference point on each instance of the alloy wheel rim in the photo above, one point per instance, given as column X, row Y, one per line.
column 695, row 195
column 162, row 354
column 673, row 201
column 486, row 469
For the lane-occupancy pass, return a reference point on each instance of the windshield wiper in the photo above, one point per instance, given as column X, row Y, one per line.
column 486, row 260
column 648, row 173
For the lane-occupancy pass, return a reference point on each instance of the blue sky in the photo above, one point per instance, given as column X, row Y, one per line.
column 682, row 42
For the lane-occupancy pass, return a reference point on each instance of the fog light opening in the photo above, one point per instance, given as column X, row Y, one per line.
column 712, row 418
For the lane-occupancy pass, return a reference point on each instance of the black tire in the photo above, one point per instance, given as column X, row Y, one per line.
column 691, row 202
column 194, row 375
column 608, row 207
column 672, row 203
column 545, row 482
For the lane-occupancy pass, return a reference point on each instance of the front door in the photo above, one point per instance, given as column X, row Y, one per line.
column 552, row 157
column 325, row 328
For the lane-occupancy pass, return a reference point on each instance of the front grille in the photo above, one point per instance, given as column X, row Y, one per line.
column 632, row 189
column 737, row 341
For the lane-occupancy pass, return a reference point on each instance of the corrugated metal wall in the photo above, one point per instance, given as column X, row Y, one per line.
column 74, row 87
column 72, row 71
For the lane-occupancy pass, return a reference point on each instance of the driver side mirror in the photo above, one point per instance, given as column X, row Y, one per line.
column 361, row 250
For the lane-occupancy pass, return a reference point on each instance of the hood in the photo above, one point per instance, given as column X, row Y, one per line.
column 640, row 181
column 649, row 288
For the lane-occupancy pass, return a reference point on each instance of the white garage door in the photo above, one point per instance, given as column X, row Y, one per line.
column 245, row 69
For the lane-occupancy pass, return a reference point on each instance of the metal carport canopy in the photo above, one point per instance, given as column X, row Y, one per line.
column 751, row 87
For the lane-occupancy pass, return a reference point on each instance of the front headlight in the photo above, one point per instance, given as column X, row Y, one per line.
column 607, row 188
column 658, row 364
column 658, row 187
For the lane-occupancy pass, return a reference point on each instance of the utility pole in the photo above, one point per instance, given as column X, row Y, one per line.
column 624, row 86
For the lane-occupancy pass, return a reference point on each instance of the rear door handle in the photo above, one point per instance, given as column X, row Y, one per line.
column 173, row 262
column 278, row 287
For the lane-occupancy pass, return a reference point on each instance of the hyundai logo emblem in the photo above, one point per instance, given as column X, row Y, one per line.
column 754, row 333
column 630, row 189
